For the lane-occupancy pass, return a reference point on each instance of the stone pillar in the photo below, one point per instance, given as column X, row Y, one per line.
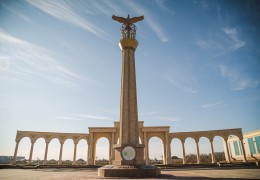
column 198, row 151
column 227, row 150
column 243, row 149
column 110, row 153
column 91, row 157
column 213, row 159
column 31, row 151
column 60, row 157
column 183, row 151
column 167, row 148
column 146, row 149
column 15, row 151
column 46, row 152
column 112, row 149
column 75, row 153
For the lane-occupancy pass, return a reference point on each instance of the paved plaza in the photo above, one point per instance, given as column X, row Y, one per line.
column 80, row 173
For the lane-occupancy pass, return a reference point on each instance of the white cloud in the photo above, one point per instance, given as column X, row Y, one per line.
column 232, row 33
column 211, row 105
column 62, row 11
column 203, row 44
column 158, row 29
column 24, row 59
column 238, row 80
column 182, row 81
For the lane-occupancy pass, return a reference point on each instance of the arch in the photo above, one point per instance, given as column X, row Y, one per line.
column 39, row 149
column 190, row 148
column 219, row 148
column 68, row 151
column 82, row 152
column 101, row 151
column 24, row 149
column 54, row 150
column 176, row 151
column 156, row 154
column 205, row 150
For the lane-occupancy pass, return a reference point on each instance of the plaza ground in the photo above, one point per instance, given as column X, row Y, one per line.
column 91, row 173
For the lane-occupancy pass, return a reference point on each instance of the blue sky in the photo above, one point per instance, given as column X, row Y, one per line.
column 197, row 65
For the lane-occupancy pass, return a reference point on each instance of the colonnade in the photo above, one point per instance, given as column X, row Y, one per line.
column 146, row 133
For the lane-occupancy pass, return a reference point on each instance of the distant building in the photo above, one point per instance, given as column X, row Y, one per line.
column 251, row 142
column 9, row 159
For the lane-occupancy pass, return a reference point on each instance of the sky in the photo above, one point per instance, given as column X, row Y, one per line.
column 197, row 67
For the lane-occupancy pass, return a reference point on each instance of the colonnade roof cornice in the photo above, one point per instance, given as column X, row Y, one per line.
column 210, row 134
column 156, row 129
column 101, row 129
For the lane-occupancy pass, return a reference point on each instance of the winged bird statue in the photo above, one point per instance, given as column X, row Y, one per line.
column 127, row 21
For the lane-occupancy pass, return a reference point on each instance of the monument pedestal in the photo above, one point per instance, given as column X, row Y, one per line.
column 129, row 171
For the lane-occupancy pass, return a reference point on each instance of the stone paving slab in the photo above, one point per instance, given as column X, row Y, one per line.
column 80, row 174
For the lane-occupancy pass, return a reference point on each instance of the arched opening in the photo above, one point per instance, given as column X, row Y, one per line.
column 53, row 151
column 102, row 152
column 155, row 145
column 23, row 151
column 205, row 150
column 191, row 151
column 68, row 152
column 82, row 152
column 38, row 151
column 176, row 151
column 219, row 149
column 235, row 147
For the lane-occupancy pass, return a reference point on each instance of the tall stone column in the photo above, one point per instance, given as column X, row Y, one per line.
column 91, row 157
column 15, row 151
column 168, row 149
column 112, row 149
column 243, row 149
column 129, row 132
column 75, row 153
column 213, row 159
column 31, row 151
column 198, row 151
column 146, row 149
column 183, row 151
column 61, row 149
column 46, row 152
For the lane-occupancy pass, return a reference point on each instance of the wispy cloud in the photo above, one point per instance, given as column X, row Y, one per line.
column 235, row 43
column 238, row 80
column 211, row 105
column 223, row 42
column 82, row 117
column 182, row 81
column 163, row 5
column 62, row 11
column 23, row 59
column 158, row 29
